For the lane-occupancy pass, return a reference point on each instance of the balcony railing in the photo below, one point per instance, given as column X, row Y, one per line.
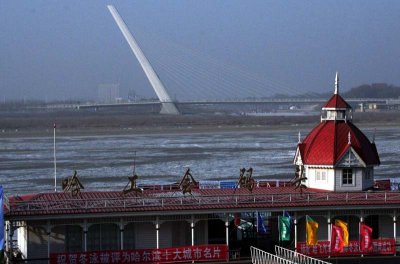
column 152, row 202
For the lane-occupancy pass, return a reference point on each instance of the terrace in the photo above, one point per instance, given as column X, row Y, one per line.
column 169, row 199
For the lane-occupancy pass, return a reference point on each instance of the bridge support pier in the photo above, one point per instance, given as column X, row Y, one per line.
column 169, row 108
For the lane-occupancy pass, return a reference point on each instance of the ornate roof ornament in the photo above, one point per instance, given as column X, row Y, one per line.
column 337, row 83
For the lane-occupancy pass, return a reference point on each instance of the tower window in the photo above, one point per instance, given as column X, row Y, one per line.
column 347, row 178
column 320, row 175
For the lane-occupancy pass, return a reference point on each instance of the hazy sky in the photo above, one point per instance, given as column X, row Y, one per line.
column 65, row 49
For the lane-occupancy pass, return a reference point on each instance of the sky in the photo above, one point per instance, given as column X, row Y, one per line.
column 60, row 50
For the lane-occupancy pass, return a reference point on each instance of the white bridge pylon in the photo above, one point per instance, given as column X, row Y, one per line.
column 167, row 105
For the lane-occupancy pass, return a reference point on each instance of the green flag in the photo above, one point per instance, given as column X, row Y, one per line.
column 284, row 228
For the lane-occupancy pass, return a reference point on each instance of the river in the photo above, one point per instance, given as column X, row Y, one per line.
column 104, row 162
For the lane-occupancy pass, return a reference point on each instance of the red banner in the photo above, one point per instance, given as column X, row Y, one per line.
column 337, row 239
column 365, row 238
column 323, row 248
column 162, row 255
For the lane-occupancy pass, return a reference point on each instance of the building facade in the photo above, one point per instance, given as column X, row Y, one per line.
column 336, row 155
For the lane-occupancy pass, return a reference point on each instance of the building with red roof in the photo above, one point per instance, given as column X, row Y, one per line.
column 219, row 222
column 336, row 155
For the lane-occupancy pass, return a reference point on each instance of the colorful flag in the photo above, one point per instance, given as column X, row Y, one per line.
column 284, row 227
column 261, row 228
column 1, row 226
column 337, row 243
column 311, row 231
column 343, row 226
column 365, row 238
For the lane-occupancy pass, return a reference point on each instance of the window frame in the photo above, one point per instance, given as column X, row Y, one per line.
column 348, row 177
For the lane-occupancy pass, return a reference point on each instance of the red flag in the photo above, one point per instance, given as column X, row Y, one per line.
column 365, row 238
column 337, row 242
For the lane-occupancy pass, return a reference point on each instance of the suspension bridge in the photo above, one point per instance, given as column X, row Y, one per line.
column 190, row 73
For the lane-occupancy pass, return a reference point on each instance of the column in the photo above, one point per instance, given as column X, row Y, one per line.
column 6, row 235
column 10, row 235
column 48, row 230
column 85, row 230
column 121, row 230
column 329, row 231
column 192, row 228
column 394, row 231
column 295, row 232
column 157, row 233
column 227, row 229
column 361, row 221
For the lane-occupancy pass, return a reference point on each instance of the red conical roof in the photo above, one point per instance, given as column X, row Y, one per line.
column 336, row 101
column 328, row 141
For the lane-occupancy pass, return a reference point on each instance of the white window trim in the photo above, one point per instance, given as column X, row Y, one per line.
column 353, row 175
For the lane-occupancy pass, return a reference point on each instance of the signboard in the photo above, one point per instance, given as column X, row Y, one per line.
column 162, row 255
column 227, row 184
column 379, row 247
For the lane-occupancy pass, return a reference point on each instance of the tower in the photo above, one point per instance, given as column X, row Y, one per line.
column 167, row 105
column 336, row 155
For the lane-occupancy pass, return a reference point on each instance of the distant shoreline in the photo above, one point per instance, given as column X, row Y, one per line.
column 91, row 124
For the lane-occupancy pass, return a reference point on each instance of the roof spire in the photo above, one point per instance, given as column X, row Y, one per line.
column 299, row 137
column 337, row 83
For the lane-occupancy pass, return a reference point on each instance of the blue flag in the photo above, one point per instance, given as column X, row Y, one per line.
column 1, row 220
column 261, row 228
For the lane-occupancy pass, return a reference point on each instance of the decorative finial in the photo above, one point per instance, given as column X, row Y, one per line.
column 299, row 137
column 349, row 138
column 337, row 83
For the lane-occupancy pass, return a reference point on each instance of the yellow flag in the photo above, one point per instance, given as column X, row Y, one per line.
column 311, row 230
column 343, row 226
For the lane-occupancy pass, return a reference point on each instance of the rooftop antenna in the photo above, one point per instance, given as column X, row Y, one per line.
column 337, row 83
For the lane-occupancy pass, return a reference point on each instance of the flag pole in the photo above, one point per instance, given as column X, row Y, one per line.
column 54, row 156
